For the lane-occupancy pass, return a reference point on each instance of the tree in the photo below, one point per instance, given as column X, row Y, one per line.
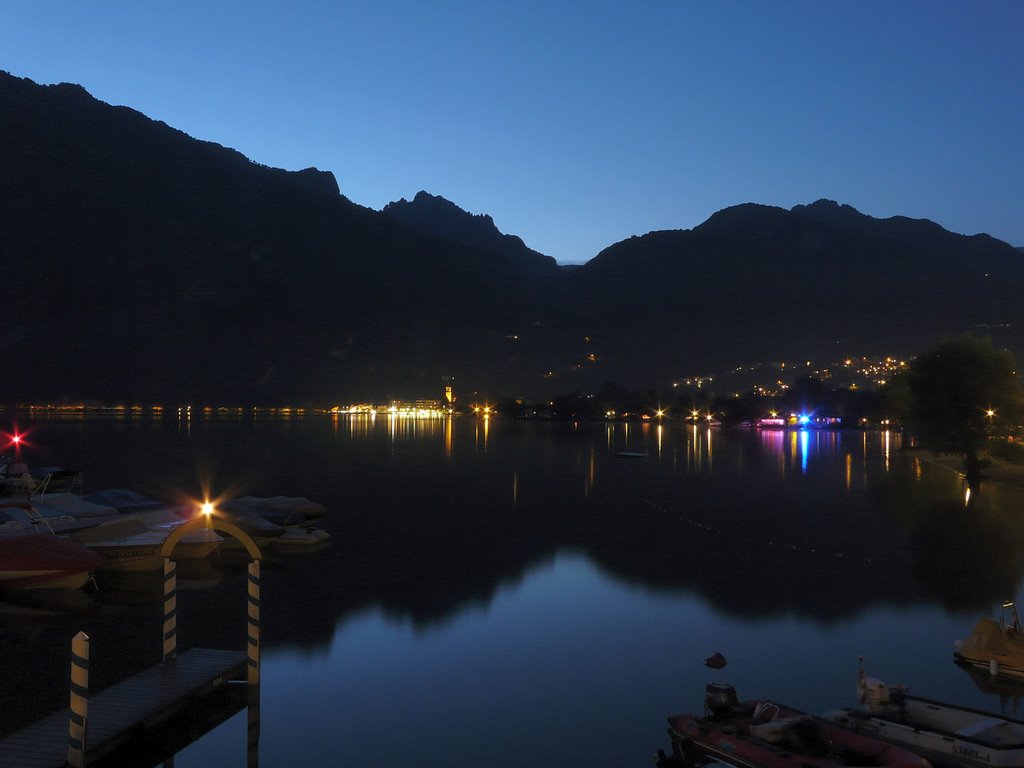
column 956, row 390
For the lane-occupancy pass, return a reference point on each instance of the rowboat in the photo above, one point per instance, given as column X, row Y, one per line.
column 947, row 734
column 767, row 734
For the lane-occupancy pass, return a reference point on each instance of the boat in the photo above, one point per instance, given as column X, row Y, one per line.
column 281, row 510
column 132, row 545
column 125, row 500
column 25, row 514
column 996, row 646
column 292, row 515
column 946, row 734
column 767, row 734
column 17, row 479
column 31, row 560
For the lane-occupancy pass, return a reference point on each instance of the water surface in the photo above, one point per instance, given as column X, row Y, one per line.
column 511, row 594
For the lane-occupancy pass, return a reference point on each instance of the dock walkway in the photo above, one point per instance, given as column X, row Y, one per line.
column 117, row 713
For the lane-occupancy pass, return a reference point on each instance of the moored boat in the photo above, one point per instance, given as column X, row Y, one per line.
column 131, row 545
column 996, row 646
column 767, row 734
column 30, row 560
column 948, row 735
column 281, row 510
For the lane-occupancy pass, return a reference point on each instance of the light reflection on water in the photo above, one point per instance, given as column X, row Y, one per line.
column 503, row 593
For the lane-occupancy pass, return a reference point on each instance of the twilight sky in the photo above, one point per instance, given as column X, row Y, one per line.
column 578, row 124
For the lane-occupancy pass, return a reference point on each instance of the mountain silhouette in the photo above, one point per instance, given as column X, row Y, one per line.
column 820, row 281
column 435, row 216
column 144, row 265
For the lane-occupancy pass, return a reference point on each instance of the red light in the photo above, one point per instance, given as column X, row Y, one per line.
column 17, row 439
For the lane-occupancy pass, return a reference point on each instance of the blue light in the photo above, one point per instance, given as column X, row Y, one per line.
column 803, row 419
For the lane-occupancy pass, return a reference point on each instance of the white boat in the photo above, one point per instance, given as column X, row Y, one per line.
column 132, row 545
column 23, row 514
column 945, row 734
column 66, row 513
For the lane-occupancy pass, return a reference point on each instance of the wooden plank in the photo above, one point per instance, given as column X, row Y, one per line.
column 144, row 699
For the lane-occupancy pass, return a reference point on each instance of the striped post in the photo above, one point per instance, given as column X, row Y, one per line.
column 253, row 645
column 170, row 609
column 79, row 700
column 253, row 676
column 252, row 752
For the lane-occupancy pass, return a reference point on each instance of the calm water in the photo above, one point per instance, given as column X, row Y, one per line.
column 515, row 594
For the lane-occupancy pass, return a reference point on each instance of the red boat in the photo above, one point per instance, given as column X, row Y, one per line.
column 43, row 561
column 765, row 734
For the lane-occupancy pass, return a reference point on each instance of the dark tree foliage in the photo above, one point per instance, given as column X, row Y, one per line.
column 957, row 391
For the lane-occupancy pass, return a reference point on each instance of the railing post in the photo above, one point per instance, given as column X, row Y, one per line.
column 79, row 700
column 170, row 610
column 253, row 666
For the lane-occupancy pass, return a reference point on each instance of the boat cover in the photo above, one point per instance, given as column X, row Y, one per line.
column 990, row 640
column 124, row 500
column 53, row 504
column 112, row 531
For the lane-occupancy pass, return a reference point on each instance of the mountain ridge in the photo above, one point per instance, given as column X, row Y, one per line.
column 163, row 268
column 438, row 217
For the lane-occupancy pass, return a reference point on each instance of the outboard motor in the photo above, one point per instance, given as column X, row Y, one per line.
column 873, row 692
column 720, row 699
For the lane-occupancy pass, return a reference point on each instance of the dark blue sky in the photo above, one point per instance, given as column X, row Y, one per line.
column 578, row 124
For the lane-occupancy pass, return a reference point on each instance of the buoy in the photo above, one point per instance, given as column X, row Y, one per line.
column 717, row 661
column 993, row 667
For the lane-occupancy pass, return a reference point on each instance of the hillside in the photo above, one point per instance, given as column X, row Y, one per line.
column 145, row 265
column 822, row 281
column 155, row 266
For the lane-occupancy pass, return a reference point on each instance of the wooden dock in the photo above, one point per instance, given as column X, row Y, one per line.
column 123, row 712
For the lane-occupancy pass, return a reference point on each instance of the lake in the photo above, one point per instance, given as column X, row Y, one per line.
column 510, row 593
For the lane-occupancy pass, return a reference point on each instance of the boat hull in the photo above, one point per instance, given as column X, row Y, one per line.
column 43, row 579
column 126, row 556
column 743, row 740
column 996, row 741
column 42, row 561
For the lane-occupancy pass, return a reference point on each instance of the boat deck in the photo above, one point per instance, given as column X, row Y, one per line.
column 120, row 712
column 993, row 732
